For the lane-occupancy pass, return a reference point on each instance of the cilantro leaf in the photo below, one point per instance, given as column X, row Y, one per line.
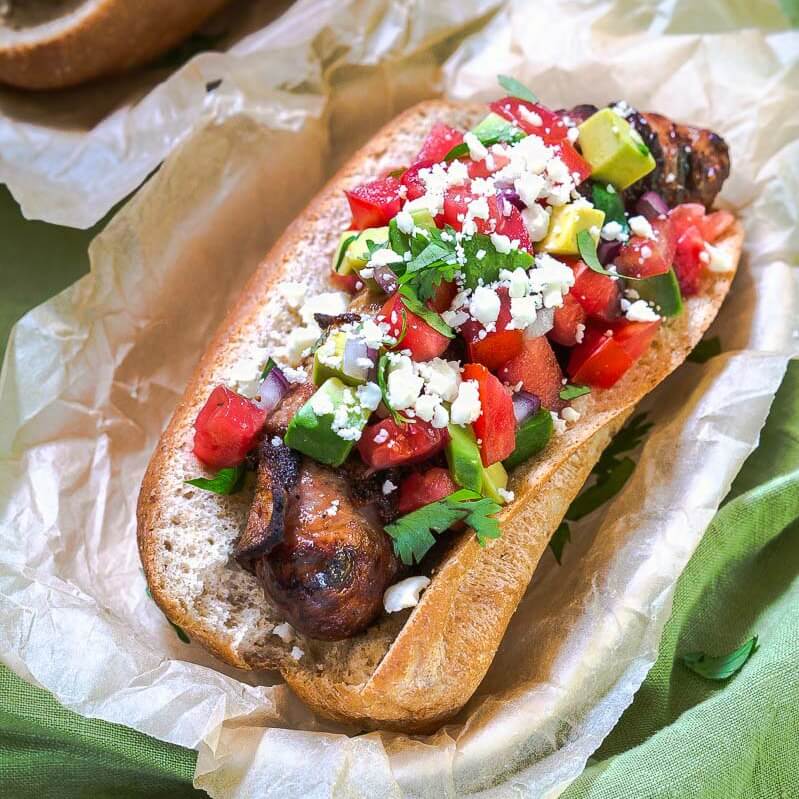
column 270, row 365
column 516, row 88
column 587, row 248
column 487, row 267
column 499, row 131
column 600, row 492
column 571, row 392
column 705, row 350
column 722, row 667
column 430, row 255
column 412, row 533
column 415, row 306
column 342, row 250
column 561, row 537
column 225, row 481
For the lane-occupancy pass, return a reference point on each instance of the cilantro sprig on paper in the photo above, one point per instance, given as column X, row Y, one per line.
column 722, row 667
column 611, row 472
column 413, row 534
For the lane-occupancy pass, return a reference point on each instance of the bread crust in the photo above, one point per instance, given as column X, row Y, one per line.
column 412, row 670
column 98, row 38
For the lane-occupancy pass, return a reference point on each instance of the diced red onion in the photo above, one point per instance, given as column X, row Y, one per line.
column 272, row 390
column 510, row 195
column 372, row 354
column 544, row 320
column 355, row 351
column 607, row 251
column 651, row 205
column 525, row 405
column 386, row 278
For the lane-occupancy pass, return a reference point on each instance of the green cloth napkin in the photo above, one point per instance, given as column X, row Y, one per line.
column 682, row 737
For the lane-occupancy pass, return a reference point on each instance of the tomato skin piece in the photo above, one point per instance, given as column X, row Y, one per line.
column 537, row 369
column 495, row 428
column 421, row 488
column 374, row 203
column 601, row 360
column 499, row 346
column 422, row 340
column 568, row 318
column 642, row 257
column 552, row 129
column 226, row 428
column 688, row 264
column 413, row 183
column 575, row 163
column 442, row 299
column 599, row 295
column 441, row 139
column 405, row 443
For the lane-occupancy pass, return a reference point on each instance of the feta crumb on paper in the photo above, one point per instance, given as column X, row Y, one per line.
column 404, row 594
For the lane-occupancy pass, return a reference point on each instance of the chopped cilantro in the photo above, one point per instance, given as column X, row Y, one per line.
column 413, row 533
column 416, row 306
column 587, row 247
column 571, row 392
column 516, row 88
column 270, row 365
column 225, row 481
column 722, row 667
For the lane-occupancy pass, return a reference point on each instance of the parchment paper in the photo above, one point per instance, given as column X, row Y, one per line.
column 91, row 377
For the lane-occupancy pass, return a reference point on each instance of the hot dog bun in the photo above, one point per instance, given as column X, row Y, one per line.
column 49, row 44
column 412, row 669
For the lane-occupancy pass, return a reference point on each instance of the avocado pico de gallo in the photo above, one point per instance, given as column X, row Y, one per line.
column 481, row 289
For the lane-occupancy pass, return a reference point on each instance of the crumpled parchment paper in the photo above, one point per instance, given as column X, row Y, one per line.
column 91, row 377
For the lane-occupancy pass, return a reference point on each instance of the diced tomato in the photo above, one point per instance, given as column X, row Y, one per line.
column 495, row 427
column 389, row 443
column 552, row 128
column 568, row 318
column 504, row 219
column 374, row 203
column 441, row 139
column 497, row 347
column 602, row 360
column 578, row 167
column 348, row 283
column 422, row 340
column 716, row 224
column 411, row 180
column 643, row 257
column 537, row 369
column 442, row 299
column 599, row 295
column 226, row 428
column 419, row 489
column 688, row 260
column 480, row 169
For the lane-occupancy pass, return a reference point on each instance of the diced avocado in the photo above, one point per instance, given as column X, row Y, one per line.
column 357, row 253
column 494, row 477
column 328, row 425
column 663, row 291
column 531, row 437
column 328, row 361
column 463, row 457
column 340, row 264
column 566, row 222
column 494, row 128
column 615, row 150
column 610, row 202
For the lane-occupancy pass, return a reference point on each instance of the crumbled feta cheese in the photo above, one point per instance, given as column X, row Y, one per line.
column 622, row 109
column 551, row 278
column 560, row 425
column 480, row 254
column 382, row 257
column 294, row 375
column 403, row 385
column 284, row 631
column 569, row 414
column 536, row 220
column 613, row 231
column 579, row 333
column 477, row 150
column 299, row 340
column 640, row 311
column 506, row 495
column 720, row 260
column 478, row 209
column 530, row 116
column 640, row 227
column 457, row 174
column 405, row 222
column 426, row 406
column 381, row 436
column 529, row 187
column 501, row 243
column 296, row 653
column 572, row 134
column 404, row 594
column 466, row 408
column 441, row 378
column 522, row 312
column 321, row 404
column 485, row 305
column 388, row 487
column 293, row 293
column 369, row 395
column 517, row 281
column 455, row 318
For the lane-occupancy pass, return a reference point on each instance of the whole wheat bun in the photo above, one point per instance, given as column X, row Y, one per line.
column 50, row 44
column 410, row 670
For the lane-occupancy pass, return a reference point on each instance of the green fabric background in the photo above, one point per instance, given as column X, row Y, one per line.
column 682, row 736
